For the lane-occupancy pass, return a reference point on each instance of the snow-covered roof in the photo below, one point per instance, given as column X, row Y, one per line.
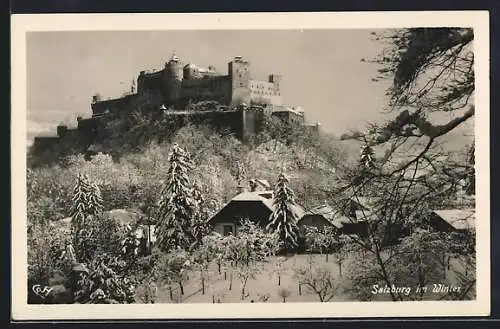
column 262, row 182
column 206, row 70
column 95, row 148
column 324, row 210
column 363, row 201
column 460, row 219
column 298, row 210
column 123, row 216
column 362, row 215
column 254, row 196
column 329, row 214
column 284, row 108
column 268, row 202
column 248, row 196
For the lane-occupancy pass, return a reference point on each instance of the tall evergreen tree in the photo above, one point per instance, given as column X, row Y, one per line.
column 177, row 206
column 367, row 158
column 87, row 205
column 95, row 202
column 283, row 219
column 199, row 224
column 79, row 210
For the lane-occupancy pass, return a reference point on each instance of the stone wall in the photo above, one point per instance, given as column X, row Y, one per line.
column 217, row 88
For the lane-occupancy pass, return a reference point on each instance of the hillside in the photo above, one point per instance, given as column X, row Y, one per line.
column 136, row 177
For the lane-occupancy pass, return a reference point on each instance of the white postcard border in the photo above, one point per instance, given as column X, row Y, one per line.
column 21, row 24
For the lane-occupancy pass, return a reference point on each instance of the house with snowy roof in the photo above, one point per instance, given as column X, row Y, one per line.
column 322, row 216
column 326, row 215
column 254, row 204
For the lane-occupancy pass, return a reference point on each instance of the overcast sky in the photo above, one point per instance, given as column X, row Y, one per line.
column 322, row 69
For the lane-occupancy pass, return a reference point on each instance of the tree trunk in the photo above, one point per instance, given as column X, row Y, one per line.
column 300, row 289
column 384, row 273
column 182, row 287
column 279, row 280
column 340, row 268
column 218, row 267
column 171, row 293
column 213, row 299
column 225, row 275
column 284, row 299
column 444, row 267
column 203, row 286
column 421, row 281
column 231, row 281
column 326, row 257
column 243, row 292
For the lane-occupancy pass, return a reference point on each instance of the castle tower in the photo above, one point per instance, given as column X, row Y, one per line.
column 172, row 80
column 190, row 71
column 275, row 79
column 132, row 87
column 140, row 82
column 239, row 72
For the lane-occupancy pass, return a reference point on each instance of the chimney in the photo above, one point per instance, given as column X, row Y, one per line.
column 253, row 185
column 241, row 188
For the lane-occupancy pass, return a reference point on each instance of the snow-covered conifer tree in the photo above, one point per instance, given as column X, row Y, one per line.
column 79, row 209
column 177, row 206
column 367, row 158
column 283, row 219
column 87, row 204
column 95, row 203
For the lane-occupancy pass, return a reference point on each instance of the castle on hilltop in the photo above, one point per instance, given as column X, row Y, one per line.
column 242, row 102
column 181, row 84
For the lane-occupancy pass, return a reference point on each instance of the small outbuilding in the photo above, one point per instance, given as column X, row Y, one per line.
column 453, row 220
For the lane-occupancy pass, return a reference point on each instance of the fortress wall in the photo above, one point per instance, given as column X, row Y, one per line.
column 112, row 105
column 179, row 85
column 150, row 81
column 240, row 96
column 44, row 142
column 289, row 117
column 219, row 120
column 216, row 88
column 252, row 122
